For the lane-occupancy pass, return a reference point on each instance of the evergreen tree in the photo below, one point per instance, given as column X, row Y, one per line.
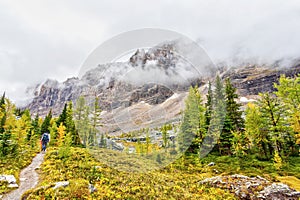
column 2, row 123
column 46, row 123
column 63, row 116
column 148, row 141
column 91, row 138
column 233, row 111
column 70, row 125
column 192, row 129
column 8, row 146
column 35, row 130
column 233, row 119
column 103, row 141
column 208, row 105
column 165, row 136
column 53, row 133
column 217, row 117
column 2, row 102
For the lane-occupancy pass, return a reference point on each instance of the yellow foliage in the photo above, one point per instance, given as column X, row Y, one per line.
column 295, row 120
column 61, row 134
column 277, row 161
column 291, row 181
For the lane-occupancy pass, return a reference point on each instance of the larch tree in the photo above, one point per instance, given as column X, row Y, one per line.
column 61, row 131
column 95, row 122
column 82, row 121
column 192, row 129
column 288, row 91
column 255, row 131
column 272, row 114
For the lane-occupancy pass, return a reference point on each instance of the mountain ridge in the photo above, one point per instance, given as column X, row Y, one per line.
column 123, row 88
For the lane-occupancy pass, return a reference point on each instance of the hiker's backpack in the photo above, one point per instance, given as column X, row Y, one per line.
column 45, row 137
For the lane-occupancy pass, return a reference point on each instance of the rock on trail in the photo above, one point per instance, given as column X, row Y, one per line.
column 28, row 178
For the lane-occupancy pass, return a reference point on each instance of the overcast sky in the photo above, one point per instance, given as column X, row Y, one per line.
column 42, row 39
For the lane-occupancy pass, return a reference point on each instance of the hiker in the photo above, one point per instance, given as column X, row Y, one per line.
column 44, row 140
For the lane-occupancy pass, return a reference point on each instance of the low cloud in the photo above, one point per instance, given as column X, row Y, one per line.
column 47, row 39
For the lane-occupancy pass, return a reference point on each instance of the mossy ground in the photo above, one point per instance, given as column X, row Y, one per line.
column 178, row 180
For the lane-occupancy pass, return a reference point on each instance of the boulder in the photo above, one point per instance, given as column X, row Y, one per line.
column 245, row 187
column 13, row 185
column 61, row 184
column 92, row 188
column 278, row 191
column 10, row 179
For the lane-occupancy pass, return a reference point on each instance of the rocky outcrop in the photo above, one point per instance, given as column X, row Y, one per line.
column 253, row 79
column 245, row 187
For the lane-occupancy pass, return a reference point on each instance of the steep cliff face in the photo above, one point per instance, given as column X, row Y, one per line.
column 253, row 79
column 151, row 77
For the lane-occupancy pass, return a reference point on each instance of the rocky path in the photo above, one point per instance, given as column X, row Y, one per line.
column 28, row 178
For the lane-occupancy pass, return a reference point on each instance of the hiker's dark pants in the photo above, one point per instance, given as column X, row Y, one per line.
column 44, row 145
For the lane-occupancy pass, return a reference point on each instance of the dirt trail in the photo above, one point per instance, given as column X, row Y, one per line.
column 28, row 178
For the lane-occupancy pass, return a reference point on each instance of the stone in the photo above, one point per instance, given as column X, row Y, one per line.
column 211, row 164
column 242, row 186
column 92, row 188
column 10, row 179
column 61, row 184
column 278, row 191
column 13, row 185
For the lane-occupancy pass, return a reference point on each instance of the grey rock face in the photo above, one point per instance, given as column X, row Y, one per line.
column 253, row 79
